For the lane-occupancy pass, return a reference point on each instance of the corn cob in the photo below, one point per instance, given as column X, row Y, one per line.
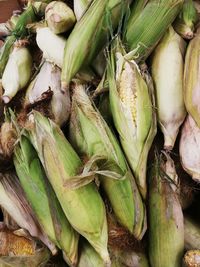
column 186, row 20
column 166, row 229
column 192, row 79
column 89, row 257
column 80, row 6
column 82, row 206
column 144, row 33
column 19, row 64
column 92, row 137
column 13, row 200
column 189, row 148
column 168, row 59
column 136, row 9
column 192, row 234
column 133, row 114
column 46, row 205
column 51, row 45
column 89, row 40
column 59, row 17
column 192, row 258
column 49, row 79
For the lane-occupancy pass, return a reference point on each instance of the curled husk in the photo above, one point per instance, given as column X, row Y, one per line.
column 167, row 73
column 132, row 107
column 17, row 72
column 186, row 20
column 60, row 18
column 21, row 250
column 13, row 201
column 192, row 79
column 189, row 148
column 51, row 45
column 48, row 79
column 192, row 258
column 166, row 227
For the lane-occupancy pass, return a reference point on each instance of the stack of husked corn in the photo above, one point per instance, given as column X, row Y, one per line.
column 100, row 134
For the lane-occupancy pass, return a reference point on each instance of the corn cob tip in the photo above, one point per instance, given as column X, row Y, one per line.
column 192, row 258
column 6, row 99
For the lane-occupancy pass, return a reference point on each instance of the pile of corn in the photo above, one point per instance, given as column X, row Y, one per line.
column 100, row 134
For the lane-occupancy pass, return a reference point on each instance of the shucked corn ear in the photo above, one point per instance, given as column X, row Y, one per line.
column 192, row 79
column 51, row 45
column 192, row 258
column 89, row 36
column 144, row 33
column 80, row 6
column 13, row 201
column 45, row 204
column 20, row 31
column 166, row 228
column 82, row 206
column 49, row 79
column 186, row 20
column 133, row 114
column 189, row 148
column 167, row 73
column 17, row 72
column 59, row 16
column 91, row 136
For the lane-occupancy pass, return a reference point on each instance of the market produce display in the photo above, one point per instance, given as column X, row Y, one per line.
column 99, row 134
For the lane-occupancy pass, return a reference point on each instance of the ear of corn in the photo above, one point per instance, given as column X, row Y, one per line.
column 49, row 78
column 51, row 45
column 192, row 79
column 191, row 234
column 13, row 200
column 59, row 16
column 83, row 207
column 45, row 205
column 89, row 39
column 167, row 72
column 189, row 148
column 91, row 136
column 186, row 20
column 166, row 228
column 19, row 64
column 144, row 33
column 192, row 258
column 80, row 6
column 133, row 114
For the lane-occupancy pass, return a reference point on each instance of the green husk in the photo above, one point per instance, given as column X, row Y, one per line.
column 82, row 206
column 136, row 9
column 192, row 79
column 14, row 202
column 168, row 60
column 92, row 137
column 45, row 205
column 166, row 228
column 192, row 234
column 88, row 256
column 89, row 36
column 131, row 101
column 186, row 20
column 80, row 6
column 144, row 33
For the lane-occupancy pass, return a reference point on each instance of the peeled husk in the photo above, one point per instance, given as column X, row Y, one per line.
column 167, row 73
column 189, row 148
